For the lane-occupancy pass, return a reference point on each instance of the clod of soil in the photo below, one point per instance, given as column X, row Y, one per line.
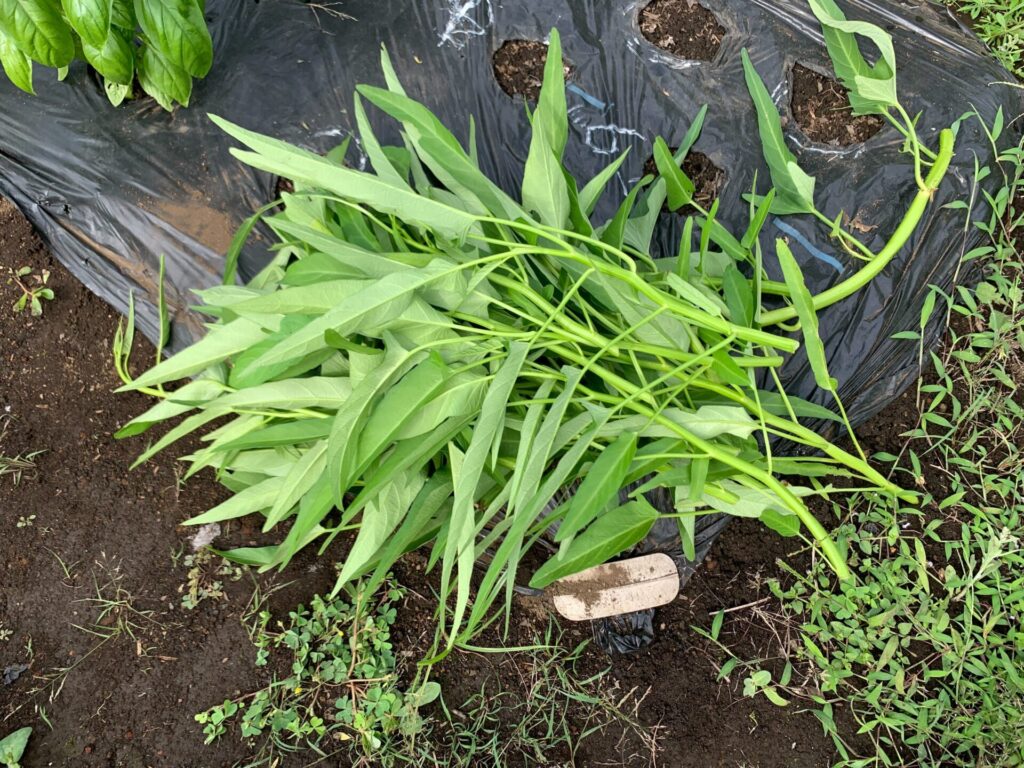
column 519, row 67
column 707, row 177
column 821, row 108
column 684, row 28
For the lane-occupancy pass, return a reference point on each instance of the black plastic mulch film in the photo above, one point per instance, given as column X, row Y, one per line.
column 113, row 189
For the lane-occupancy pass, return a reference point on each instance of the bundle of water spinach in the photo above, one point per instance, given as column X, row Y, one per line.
column 428, row 360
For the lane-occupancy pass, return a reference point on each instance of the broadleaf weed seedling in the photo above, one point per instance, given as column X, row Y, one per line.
column 34, row 289
column 336, row 686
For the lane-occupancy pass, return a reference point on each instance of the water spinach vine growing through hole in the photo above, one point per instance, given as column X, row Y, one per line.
column 427, row 360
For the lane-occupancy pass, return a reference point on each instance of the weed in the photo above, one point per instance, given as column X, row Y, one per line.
column 205, row 578
column 15, row 466
column 5, row 633
column 1000, row 24
column 25, row 521
column 34, row 289
column 544, row 719
column 341, row 684
column 925, row 646
column 116, row 617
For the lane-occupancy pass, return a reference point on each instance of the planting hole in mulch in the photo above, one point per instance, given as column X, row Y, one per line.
column 822, row 110
column 519, row 67
column 684, row 28
column 707, row 177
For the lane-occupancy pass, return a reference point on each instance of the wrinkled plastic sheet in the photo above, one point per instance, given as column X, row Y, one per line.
column 112, row 190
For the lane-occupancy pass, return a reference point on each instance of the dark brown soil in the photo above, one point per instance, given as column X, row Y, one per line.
column 821, row 108
column 707, row 177
column 684, row 28
column 519, row 67
column 130, row 701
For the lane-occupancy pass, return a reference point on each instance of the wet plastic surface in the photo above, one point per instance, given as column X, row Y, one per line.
column 113, row 189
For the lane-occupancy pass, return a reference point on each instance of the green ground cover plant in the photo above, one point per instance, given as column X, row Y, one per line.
column 340, row 686
column 428, row 360
column 162, row 44
column 925, row 646
column 1000, row 23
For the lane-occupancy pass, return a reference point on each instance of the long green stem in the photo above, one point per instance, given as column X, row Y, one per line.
column 899, row 238
column 821, row 537
column 809, row 437
column 659, row 297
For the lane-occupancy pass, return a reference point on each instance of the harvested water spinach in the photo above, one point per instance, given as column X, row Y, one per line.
column 427, row 360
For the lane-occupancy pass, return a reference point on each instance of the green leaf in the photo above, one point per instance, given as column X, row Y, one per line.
column 251, row 556
column 757, row 221
column 182, row 400
column 612, row 533
column 38, row 30
column 794, row 188
column 462, row 529
column 374, row 152
column 441, row 152
column 284, row 433
column 114, row 58
column 600, row 486
column 400, row 404
column 116, row 92
column 343, row 457
column 716, row 624
column 160, row 78
column 12, row 746
column 551, row 116
column 381, row 301
column 872, row 88
column 285, row 160
column 592, row 190
column 304, row 473
column 122, row 15
column 804, row 306
column 687, row 531
column 177, row 29
column 217, row 345
column 781, row 520
column 544, row 190
column 739, row 296
column 380, row 519
column 90, row 19
column 679, row 186
column 433, row 501
column 16, row 63
column 255, row 498
column 614, row 231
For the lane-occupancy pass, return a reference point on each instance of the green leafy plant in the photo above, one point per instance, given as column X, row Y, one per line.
column 427, row 360
column 1000, row 23
column 162, row 43
column 12, row 747
column 34, row 290
column 342, row 682
column 924, row 648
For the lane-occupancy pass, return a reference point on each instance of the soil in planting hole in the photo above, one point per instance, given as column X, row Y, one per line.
column 519, row 67
column 88, row 521
column 707, row 177
column 684, row 28
column 821, row 108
